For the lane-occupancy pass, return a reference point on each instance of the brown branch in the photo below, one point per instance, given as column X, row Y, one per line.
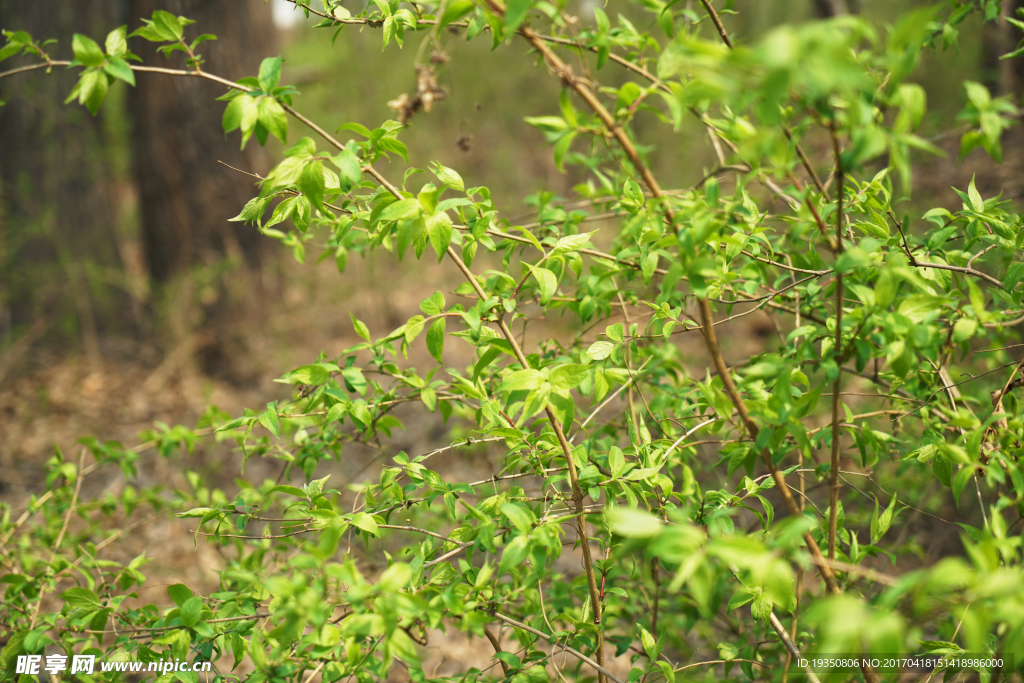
column 497, row 650
column 717, row 22
column 565, row 72
column 577, row 492
column 958, row 269
column 833, row 518
column 711, row 341
column 579, row 655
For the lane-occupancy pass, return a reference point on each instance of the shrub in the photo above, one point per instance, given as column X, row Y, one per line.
column 707, row 500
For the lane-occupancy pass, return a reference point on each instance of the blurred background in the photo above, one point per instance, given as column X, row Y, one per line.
column 128, row 298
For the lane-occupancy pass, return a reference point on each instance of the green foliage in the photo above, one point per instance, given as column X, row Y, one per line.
column 683, row 481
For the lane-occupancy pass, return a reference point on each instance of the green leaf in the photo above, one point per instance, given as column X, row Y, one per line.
column 366, row 523
column 195, row 512
column 272, row 116
column 311, row 183
column 350, row 170
column 919, row 306
column 569, row 376
column 515, row 13
column 179, row 593
column 395, row 577
column 413, row 328
column 268, row 419
column 360, row 328
column 520, row 516
column 93, row 90
column 960, row 481
column 400, row 210
column 191, row 611
column 672, row 61
column 523, row 380
column 455, row 10
column 86, row 50
column 117, row 42
column 1014, row 274
column 547, row 281
column 233, row 112
column 81, row 598
column 650, row 646
column 435, row 339
column 633, row 523
column 964, row 329
column 448, row 176
column 439, row 230
column 571, row 243
column 168, row 25
column 977, row 203
column 270, row 73
column 118, row 68
column 433, row 304
column 600, row 350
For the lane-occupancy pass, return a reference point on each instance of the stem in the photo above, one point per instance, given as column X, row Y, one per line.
column 791, row 648
column 497, row 649
column 717, row 22
column 565, row 72
column 657, row 585
column 577, row 492
column 833, row 519
column 711, row 341
column 601, row 671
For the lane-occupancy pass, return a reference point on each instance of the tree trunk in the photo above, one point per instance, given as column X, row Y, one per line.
column 833, row 8
column 187, row 196
column 1006, row 77
column 58, row 193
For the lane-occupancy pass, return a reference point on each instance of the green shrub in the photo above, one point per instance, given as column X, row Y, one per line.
column 714, row 506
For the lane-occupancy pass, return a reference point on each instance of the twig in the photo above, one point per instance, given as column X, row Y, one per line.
column 579, row 655
column 906, row 246
column 317, row 670
column 717, row 22
column 63, row 530
column 497, row 650
column 958, row 269
column 721, row 661
column 610, row 399
column 791, row 647
column 833, row 518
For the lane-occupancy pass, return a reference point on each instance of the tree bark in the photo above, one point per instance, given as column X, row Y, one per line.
column 58, row 194
column 187, row 197
column 834, row 8
column 1006, row 77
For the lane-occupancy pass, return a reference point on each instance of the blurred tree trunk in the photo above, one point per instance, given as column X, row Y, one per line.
column 1006, row 77
column 833, row 8
column 58, row 188
column 187, row 197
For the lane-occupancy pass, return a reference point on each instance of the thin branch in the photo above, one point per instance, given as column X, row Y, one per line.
column 721, row 661
column 610, row 399
column 717, row 22
column 792, row 649
column 63, row 530
column 959, row 269
column 579, row 655
column 833, row 518
column 711, row 341
column 497, row 650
